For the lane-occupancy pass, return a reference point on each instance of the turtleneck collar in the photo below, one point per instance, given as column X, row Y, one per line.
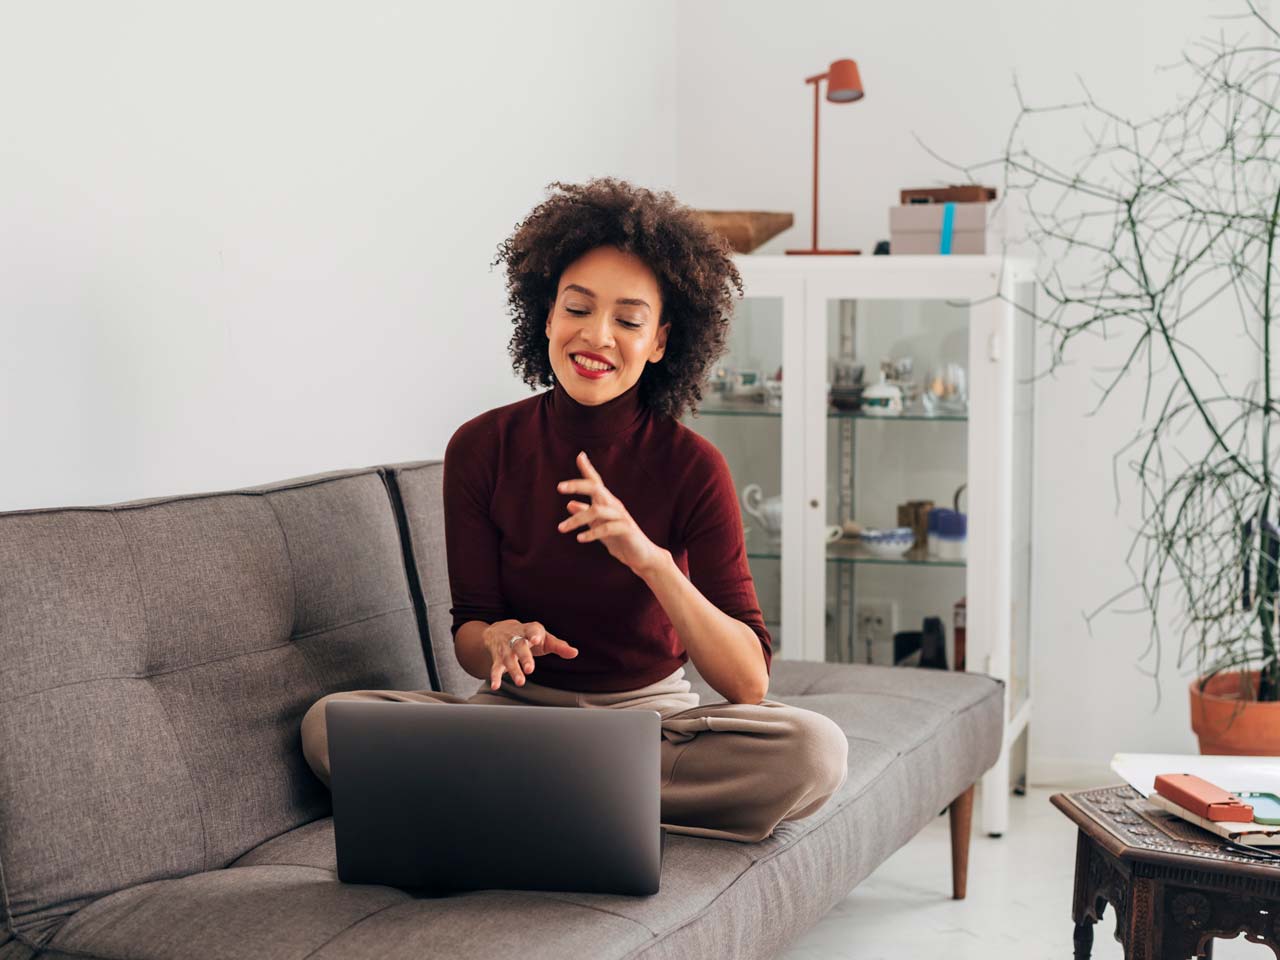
column 606, row 421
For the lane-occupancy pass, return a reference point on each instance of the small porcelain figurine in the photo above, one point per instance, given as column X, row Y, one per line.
column 767, row 511
column 882, row 399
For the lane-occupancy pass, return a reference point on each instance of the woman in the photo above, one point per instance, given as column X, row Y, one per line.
column 595, row 543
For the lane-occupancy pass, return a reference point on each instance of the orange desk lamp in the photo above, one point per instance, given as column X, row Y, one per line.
column 843, row 86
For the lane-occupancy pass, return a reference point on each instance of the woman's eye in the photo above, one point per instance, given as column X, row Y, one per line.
column 583, row 313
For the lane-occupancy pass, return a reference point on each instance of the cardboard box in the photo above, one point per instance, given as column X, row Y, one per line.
column 917, row 228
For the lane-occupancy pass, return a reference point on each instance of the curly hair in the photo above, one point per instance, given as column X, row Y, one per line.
column 693, row 265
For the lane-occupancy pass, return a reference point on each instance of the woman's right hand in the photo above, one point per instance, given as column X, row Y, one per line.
column 517, row 659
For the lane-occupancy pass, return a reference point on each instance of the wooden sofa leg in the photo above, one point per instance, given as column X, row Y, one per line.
column 961, row 829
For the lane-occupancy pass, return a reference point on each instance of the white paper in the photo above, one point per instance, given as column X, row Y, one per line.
column 1259, row 774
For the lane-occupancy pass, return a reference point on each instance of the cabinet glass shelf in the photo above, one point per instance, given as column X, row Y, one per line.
column 757, row 408
column 760, row 547
column 853, row 552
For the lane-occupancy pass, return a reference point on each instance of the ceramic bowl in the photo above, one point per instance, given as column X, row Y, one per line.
column 846, row 398
column 889, row 542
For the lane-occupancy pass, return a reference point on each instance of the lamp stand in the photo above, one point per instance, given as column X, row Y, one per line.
column 814, row 250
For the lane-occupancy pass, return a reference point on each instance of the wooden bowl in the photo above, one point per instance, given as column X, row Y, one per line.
column 747, row 229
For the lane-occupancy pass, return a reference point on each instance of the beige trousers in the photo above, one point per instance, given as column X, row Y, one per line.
column 729, row 770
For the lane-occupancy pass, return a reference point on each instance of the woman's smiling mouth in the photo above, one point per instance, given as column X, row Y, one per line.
column 591, row 369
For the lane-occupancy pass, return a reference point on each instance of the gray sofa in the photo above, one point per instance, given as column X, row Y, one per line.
column 157, row 656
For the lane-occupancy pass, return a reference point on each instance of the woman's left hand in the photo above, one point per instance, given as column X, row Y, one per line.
column 607, row 520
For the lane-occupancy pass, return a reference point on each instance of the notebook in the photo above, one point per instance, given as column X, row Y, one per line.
column 1251, row 834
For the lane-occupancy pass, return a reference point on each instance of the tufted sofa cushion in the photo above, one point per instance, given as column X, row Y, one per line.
column 157, row 658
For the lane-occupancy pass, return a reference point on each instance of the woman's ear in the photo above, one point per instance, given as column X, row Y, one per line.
column 660, row 346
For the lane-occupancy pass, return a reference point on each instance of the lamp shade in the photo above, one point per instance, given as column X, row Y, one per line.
column 843, row 83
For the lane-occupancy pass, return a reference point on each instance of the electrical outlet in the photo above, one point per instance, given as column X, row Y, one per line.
column 875, row 621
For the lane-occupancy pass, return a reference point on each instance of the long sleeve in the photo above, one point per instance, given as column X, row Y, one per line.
column 472, row 540
column 717, row 552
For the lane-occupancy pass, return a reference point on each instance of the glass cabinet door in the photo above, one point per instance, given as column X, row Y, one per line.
column 749, row 416
column 880, row 461
column 896, row 474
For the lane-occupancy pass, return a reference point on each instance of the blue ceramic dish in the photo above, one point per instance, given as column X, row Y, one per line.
column 890, row 542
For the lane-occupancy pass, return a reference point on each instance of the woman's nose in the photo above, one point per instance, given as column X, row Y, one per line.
column 597, row 332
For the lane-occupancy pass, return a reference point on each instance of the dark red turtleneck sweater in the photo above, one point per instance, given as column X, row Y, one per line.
column 507, row 560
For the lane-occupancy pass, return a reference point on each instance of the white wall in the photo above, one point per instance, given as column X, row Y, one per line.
column 242, row 242
column 943, row 72
column 246, row 241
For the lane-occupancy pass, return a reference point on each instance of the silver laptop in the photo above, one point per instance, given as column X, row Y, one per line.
column 452, row 797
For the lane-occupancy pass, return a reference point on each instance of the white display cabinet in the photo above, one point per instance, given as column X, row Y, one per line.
column 817, row 466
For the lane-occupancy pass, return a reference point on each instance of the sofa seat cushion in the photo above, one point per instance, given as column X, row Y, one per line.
column 284, row 912
column 299, row 909
column 917, row 738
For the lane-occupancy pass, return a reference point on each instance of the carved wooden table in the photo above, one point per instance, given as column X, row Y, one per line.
column 1173, row 886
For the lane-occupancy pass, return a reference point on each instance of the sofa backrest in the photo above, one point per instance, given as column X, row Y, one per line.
column 156, row 658
column 419, row 486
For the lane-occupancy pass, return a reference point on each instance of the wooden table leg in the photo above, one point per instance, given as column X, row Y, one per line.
column 1145, row 938
column 1083, row 940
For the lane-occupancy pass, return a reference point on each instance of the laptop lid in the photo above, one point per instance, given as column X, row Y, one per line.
column 477, row 796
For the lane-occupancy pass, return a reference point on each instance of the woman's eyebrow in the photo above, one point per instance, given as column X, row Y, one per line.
column 634, row 301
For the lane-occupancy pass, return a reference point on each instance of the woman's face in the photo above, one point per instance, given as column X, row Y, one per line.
column 607, row 309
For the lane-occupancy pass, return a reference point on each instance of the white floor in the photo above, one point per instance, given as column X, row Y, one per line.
column 1018, row 904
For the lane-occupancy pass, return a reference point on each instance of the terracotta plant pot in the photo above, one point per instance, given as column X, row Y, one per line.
column 1226, row 723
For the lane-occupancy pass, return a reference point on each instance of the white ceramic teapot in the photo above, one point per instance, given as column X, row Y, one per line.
column 768, row 512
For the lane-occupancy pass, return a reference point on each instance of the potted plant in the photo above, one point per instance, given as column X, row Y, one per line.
column 1166, row 235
